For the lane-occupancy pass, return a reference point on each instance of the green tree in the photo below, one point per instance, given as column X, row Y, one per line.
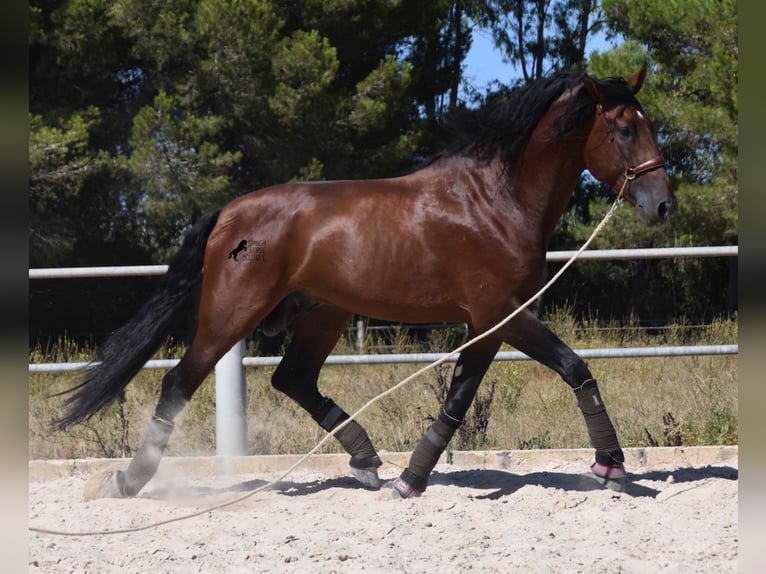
column 691, row 96
column 144, row 114
column 181, row 173
column 59, row 163
column 540, row 36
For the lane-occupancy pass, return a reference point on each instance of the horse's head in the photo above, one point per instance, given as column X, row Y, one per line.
column 621, row 151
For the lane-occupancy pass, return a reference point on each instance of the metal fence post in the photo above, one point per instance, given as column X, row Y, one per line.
column 231, row 403
column 360, row 335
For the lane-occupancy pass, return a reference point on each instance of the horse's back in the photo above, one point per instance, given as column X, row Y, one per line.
column 316, row 210
column 415, row 248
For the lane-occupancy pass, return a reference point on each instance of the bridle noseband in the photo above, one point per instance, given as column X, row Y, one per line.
column 631, row 172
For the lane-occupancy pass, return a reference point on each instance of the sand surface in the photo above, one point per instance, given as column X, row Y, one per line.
column 481, row 513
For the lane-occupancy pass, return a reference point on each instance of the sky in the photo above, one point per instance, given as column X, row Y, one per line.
column 484, row 63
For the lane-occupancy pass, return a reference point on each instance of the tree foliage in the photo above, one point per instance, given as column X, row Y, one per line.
column 540, row 36
column 144, row 114
column 691, row 96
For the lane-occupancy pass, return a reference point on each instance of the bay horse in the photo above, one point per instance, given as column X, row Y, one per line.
column 463, row 239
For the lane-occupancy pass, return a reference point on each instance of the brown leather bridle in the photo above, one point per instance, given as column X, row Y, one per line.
column 631, row 172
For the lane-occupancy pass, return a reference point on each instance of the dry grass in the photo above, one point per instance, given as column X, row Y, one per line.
column 520, row 405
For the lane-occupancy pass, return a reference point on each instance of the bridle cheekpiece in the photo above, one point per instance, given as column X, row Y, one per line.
column 631, row 172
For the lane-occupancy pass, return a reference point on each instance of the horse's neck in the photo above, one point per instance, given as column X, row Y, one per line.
column 546, row 177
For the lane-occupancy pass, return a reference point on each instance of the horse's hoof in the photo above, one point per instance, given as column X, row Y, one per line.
column 401, row 489
column 367, row 476
column 103, row 484
column 611, row 476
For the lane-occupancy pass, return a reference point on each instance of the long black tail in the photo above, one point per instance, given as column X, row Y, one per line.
column 127, row 350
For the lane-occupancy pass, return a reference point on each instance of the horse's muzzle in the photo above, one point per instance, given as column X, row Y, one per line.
column 658, row 214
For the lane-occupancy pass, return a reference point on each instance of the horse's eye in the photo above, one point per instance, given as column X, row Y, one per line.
column 625, row 131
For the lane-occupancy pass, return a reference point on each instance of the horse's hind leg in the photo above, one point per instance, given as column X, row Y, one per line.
column 530, row 336
column 314, row 335
column 219, row 327
column 178, row 386
column 471, row 366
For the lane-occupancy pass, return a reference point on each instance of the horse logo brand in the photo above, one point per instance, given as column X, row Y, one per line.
column 249, row 250
column 238, row 249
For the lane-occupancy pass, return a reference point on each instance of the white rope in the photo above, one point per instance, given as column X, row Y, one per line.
column 372, row 401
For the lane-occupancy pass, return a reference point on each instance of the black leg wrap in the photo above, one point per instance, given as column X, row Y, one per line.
column 356, row 442
column 413, row 480
column 352, row 437
column 610, row 458
column 427, row 453
column 329, row 415
column 600, row 428
column 450, row 421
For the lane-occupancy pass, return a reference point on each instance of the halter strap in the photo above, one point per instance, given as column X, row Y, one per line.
column 631, row 172
column 650, row 165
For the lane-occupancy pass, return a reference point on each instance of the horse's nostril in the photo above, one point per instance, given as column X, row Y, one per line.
column 664, row 209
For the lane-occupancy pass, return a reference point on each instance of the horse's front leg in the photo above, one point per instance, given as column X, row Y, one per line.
column 530, row 336
column 471, row 366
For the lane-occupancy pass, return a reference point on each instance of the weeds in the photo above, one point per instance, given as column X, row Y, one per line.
column 683, row 401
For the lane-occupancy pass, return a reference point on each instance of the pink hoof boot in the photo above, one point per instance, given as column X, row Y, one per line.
column 403, row 490
column 610, row 476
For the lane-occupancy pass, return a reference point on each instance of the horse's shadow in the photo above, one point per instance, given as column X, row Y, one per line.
column 288, row 488
column 495, row 483
column 499, row 483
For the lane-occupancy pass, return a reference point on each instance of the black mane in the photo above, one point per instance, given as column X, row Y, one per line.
column 503, row 126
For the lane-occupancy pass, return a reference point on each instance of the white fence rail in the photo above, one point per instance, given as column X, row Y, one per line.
column 552, row 256
column 410, row 358
column 231, row 426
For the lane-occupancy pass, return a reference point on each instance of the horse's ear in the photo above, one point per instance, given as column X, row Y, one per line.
column 637, row 80
column 592, row 88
